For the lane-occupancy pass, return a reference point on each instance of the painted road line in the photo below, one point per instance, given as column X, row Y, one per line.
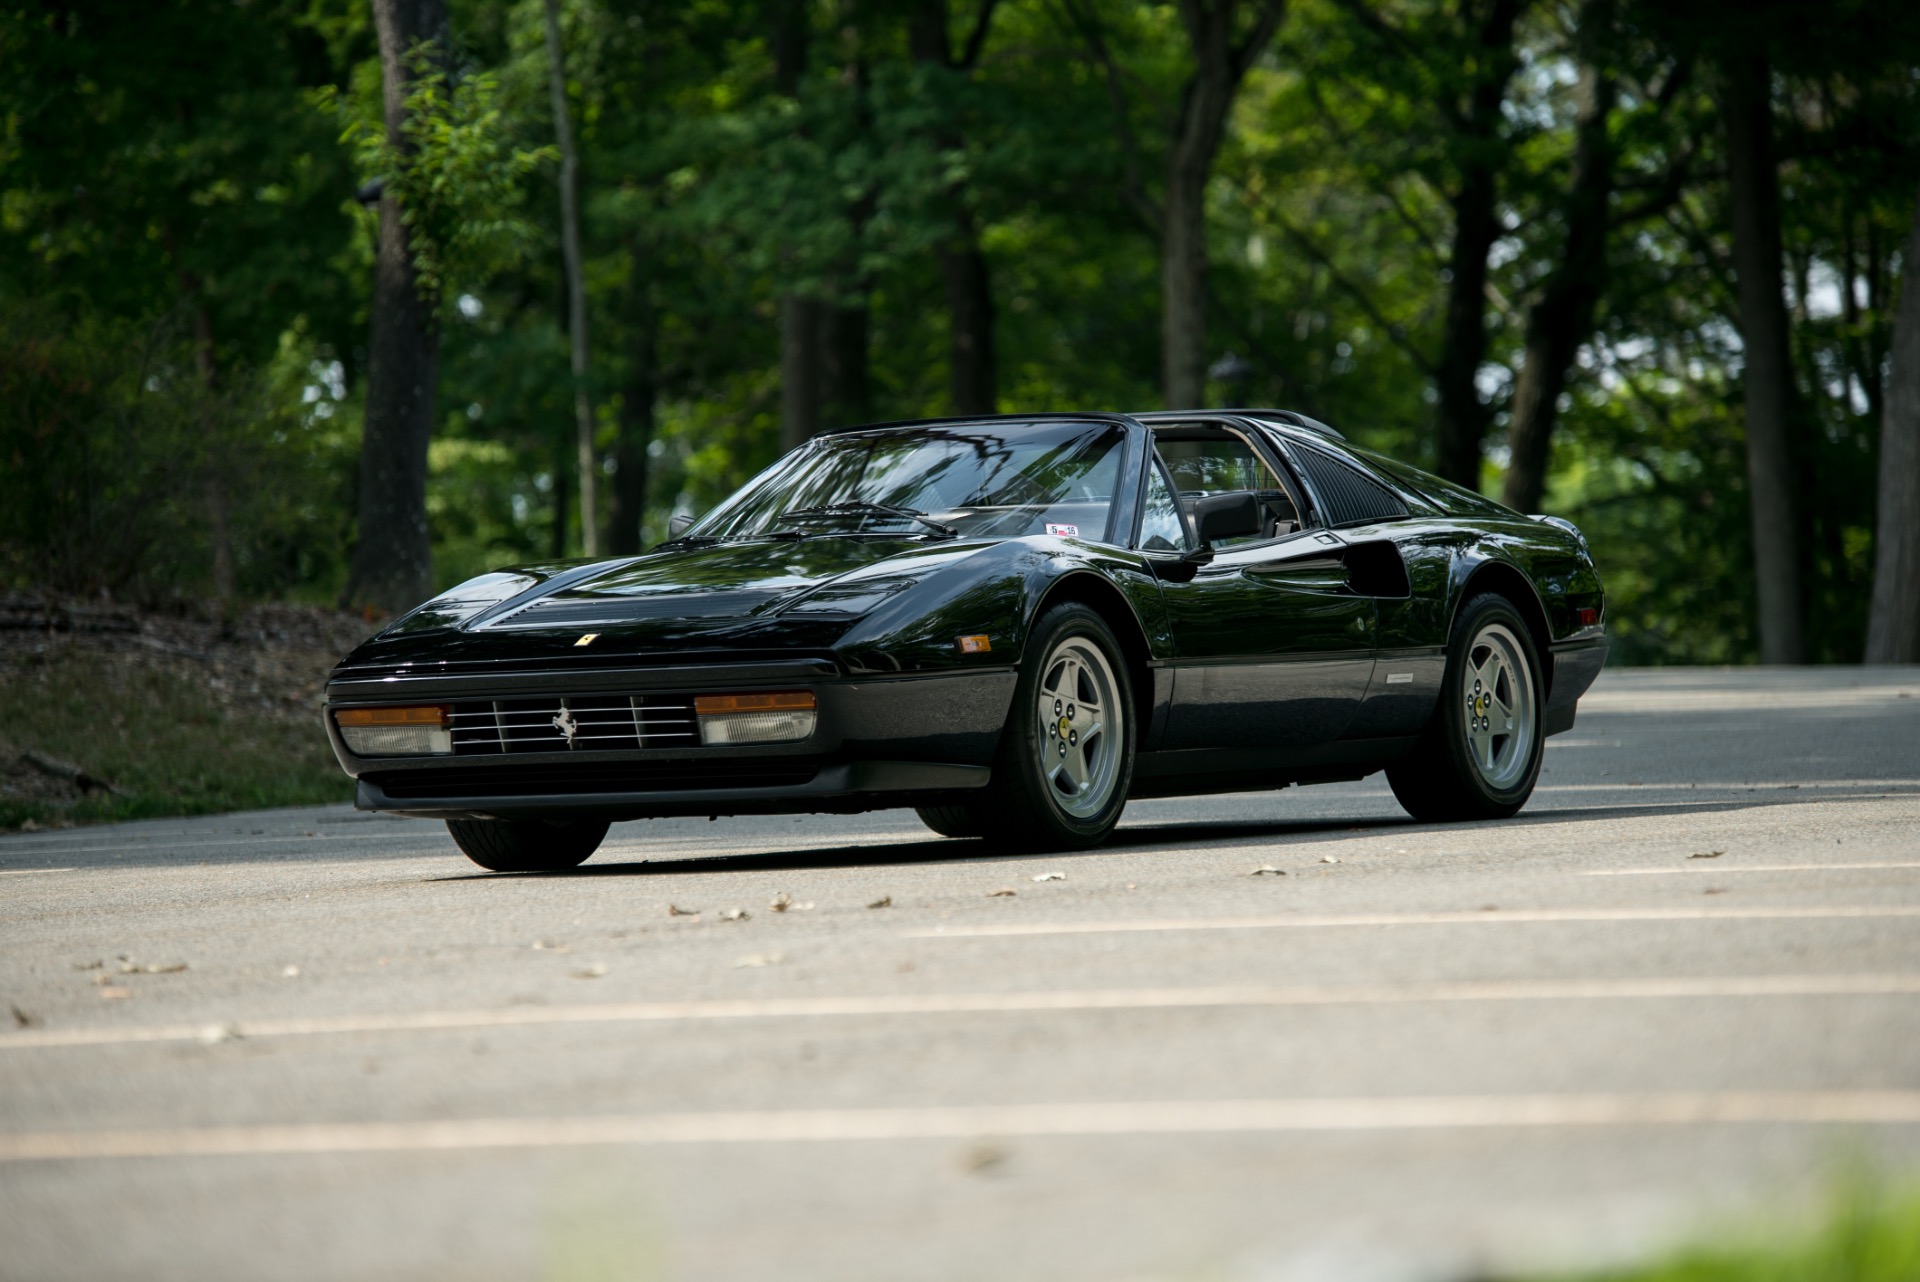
column 1715, row 868
column 21, row 872
column 1753, row 785
column 1067, row 1118
column 1098, row 999
column 1486, row 917
column 142, row 847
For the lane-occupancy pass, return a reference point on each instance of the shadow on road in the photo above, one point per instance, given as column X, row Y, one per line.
column 1144, row 837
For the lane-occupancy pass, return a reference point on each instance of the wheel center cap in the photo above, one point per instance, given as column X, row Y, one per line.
column 1063, row 727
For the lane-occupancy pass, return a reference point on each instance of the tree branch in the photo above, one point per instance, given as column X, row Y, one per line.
column 1133, row 185
column 977, row 38
column 1392, row 329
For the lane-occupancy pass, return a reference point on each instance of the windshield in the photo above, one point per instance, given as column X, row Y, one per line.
column 1003, row 481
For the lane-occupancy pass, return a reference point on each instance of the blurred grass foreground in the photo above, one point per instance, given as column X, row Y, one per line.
column 1869, row 1233
column 110, row 713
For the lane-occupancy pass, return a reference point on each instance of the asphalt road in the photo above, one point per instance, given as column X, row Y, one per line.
column 1675, row 994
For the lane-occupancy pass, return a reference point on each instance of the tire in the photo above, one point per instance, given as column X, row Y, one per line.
column 1479, row 757
column 953, row 821
column 537, row 845
column 1061, row 774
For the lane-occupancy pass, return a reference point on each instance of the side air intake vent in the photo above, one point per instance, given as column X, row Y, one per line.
column 1350, row 496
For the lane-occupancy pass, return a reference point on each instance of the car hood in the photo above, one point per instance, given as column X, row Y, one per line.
column 774, row 594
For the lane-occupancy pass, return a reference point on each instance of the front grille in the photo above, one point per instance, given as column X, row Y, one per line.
column 600, row 722
column 584, row 778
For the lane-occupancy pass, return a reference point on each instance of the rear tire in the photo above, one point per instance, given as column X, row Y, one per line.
column 1479, row 756
column 1061, row 775
column 534, row 845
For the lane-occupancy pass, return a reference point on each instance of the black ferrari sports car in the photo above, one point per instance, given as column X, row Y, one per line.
column 1011, row 624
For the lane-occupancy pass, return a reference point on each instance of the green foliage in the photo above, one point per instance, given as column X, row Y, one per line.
column 184, row 271
column 455, row 171
column 132, row 451
column 1868, row 1234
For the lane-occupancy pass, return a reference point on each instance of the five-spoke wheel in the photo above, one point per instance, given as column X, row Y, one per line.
column 1480, row 756
column 1065, row 762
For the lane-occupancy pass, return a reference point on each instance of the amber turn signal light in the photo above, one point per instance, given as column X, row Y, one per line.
column 974, row 644
column 435, row 716
column 708, row 705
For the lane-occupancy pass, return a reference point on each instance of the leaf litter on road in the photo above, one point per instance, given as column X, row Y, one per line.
column 1050, row 876
column 885, row 901
column 1268, row 870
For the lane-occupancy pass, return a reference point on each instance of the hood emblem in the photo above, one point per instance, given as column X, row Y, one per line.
column 563, row 722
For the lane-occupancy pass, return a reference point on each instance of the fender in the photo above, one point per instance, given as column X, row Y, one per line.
column 997, row 593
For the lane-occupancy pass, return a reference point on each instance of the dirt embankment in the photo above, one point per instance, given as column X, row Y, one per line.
column 82, row 682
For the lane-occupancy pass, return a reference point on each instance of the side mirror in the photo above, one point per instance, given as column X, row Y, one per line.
column 1233, row 515
column 677, row 524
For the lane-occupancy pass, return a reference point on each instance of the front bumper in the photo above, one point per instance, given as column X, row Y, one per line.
column 843, row 787
column 878, row 743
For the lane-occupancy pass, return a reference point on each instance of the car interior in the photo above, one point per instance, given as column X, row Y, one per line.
column 1205, row 460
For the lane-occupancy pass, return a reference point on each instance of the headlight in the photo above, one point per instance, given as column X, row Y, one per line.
column 755, row 718
column 395, row 732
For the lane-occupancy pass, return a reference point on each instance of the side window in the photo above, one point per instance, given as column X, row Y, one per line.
column 1162, row 529
column 1207, row 460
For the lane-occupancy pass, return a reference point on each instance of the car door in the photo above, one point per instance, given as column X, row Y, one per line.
column 1273, row 648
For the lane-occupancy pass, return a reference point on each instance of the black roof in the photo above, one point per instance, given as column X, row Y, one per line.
column 1289, row 417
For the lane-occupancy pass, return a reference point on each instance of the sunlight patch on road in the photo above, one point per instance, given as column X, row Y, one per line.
column 1486, row 917
column 1715, row 868
column 1069, row 1000
column 1065, row 1118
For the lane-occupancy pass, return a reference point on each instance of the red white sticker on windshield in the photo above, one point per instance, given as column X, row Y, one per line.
column 1069, row 531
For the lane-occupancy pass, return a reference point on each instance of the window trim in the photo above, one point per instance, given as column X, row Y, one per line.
column 1281, row 467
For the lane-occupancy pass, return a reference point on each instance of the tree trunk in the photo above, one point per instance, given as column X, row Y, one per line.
column 219, row 508
column 1476, row 226
column 588, row 461
column 392, row 564
column 975, row 379
column 846, row 386
column 800, row 317
column 1754, row 189
column 1893, row 627
column 627, row 506
column 1563, row 318
column 1183, row 289
column 799, row 370
column 1220, row 64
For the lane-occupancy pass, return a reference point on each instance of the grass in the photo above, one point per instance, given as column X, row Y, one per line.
column 170, row 738
column 1868, row 1234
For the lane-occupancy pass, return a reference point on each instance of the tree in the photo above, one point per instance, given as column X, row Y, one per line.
column 1224, row 39
column 1893, row 627
column 1754, row 194
column 392, row 563
column 587, row 457
column 972, row 376
column 1562, row 318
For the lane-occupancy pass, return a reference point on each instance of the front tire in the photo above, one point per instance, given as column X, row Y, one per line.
column 1065, row 761
column 536, row 845
column 1479, row 757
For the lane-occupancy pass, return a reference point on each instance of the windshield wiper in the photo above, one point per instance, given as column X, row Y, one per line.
column 861, row 507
